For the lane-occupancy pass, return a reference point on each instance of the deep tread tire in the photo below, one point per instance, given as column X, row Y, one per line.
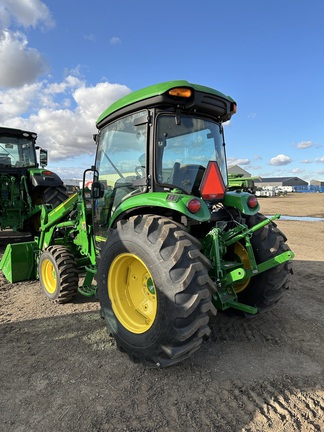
column 58, row 274
column 51, row 195
column 183, row 288
column 266, row 289
column 54, row 195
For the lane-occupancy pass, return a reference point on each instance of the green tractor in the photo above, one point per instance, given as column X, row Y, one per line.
column 23, row 185
column 166, row 241
column 239, row 182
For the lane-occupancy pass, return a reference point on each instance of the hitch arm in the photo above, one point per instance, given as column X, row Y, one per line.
column 231, row 237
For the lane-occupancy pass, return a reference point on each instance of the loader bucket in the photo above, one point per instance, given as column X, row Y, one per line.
column 18, row 261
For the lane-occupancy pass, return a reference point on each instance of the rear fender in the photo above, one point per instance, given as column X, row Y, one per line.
column 164, row 200
column 239, row 200
column 44, row 178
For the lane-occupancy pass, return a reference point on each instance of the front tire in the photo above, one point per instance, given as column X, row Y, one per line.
column 154, row 290
column 58, row 274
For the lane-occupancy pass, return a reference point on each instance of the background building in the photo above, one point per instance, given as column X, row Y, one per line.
column 281, row 182
column 236, row 169
column 290, row 184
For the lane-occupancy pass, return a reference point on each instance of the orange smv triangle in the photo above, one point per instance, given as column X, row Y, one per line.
column 212, row 185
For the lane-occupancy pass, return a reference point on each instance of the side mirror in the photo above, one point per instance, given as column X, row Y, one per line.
column 43, row 159
column 97, row 190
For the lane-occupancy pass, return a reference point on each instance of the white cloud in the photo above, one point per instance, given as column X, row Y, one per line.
column 15, row 103
column 66, row 132
column 25, row 13
column 304, row 144
column 115, row 40
column 280, row 159
column 62, row 113
column 72, row 171
column 102, row 95
column 320, row 159
column 20, row 64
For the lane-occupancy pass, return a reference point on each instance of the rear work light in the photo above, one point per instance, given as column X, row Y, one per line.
column 212, row 185
column 181, row 92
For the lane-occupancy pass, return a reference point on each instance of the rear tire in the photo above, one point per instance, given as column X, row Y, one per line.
column 58, row 274
column 154, row 290
column 54, row 195
column 51, row 195
column 266, row 289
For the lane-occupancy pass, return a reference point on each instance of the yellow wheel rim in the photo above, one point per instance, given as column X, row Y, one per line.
column 49, row 276
column 241, row 253
column 132, row 293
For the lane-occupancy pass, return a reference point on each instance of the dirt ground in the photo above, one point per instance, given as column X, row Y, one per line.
column 59, row 370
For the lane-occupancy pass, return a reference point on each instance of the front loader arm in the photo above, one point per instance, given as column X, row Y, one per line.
column 50, row 220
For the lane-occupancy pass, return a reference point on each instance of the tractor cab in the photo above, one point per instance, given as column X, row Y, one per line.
column 163, row 148
column 17, row 149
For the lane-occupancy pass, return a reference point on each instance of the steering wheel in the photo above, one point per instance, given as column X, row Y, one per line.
column 140, row 171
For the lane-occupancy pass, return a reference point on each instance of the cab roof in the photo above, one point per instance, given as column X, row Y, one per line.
column 152, row 92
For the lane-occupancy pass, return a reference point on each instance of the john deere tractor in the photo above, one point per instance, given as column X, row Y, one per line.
column 166, row 240
column 23, row 185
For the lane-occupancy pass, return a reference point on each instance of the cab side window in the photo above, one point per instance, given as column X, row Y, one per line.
column 121, row 162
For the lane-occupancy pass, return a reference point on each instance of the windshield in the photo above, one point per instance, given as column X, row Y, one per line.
column 17, row 152
column 185, row 145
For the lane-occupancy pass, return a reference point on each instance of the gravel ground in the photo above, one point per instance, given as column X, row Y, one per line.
column 60, row 371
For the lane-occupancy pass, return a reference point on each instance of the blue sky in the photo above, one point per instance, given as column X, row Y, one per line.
column 63, row 63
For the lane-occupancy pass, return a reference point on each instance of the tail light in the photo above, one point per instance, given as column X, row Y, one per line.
column 253, row 202
column 194, row 205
